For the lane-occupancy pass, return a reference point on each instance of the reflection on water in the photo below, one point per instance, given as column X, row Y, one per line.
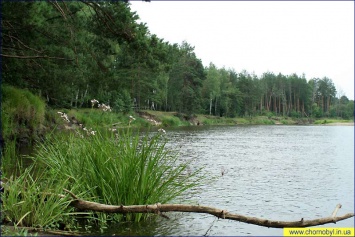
column 273, row 172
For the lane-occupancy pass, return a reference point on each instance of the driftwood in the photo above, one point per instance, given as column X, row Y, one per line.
column 159, row 208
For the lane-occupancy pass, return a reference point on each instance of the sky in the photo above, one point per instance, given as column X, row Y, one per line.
column 311, row 37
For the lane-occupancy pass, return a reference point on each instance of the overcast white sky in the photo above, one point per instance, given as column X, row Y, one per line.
column 315, row 38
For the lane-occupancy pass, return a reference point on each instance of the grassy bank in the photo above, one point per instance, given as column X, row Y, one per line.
column 22, row 114
column 327, row 121
column 150, row 118
column 182, row 120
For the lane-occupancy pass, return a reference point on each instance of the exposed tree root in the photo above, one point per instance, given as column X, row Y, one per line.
column 159, row 208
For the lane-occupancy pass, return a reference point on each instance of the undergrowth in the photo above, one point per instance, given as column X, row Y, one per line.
column 33, row 200
column 22, row 112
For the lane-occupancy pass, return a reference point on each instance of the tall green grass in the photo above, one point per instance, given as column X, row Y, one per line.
column 128, row 169
column 33, row 201
column 9, row 158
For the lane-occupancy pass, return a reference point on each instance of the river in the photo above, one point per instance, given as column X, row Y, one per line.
column 272, row 172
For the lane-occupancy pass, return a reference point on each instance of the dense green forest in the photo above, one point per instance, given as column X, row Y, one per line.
column 72, row 52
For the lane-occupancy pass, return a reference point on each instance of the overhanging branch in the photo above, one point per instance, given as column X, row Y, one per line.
column 223, row 214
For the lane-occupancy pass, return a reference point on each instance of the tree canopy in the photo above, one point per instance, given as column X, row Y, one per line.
column 72, row 52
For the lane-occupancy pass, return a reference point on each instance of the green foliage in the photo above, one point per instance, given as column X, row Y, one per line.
column 295, row 114
column 316, row 111
column 171, row 121
column 128, row 169
column 15, row 231
column 22, row 112
column 76, row 51
column 96, row 118
column 33, row 201
column 269, row 115
column 9, row 158
column 185, row 83
column 123, row 102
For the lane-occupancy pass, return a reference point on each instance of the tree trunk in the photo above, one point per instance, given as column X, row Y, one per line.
column 76, row 98
column 84, row 95
column 210, row 106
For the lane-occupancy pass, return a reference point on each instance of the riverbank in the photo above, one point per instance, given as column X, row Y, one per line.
column 340, row 124
column 334, row 122
column 160, row 118
column 27, row 118
column 146, row 119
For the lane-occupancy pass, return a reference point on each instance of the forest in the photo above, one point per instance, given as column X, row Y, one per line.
column 72, row 52
column 59, row 59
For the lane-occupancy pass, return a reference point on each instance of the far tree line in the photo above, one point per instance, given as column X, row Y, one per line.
column 72, row 52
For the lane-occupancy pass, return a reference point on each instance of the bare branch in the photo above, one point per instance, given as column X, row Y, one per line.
column 24, row 45
column 32, row 57
column 159, row 208
column 336, row 210
column 56, row 5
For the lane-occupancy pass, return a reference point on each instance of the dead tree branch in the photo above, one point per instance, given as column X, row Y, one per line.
column 32, row 57
column 223, row 214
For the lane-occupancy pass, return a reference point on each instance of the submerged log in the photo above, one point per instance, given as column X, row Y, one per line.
column 223, row 214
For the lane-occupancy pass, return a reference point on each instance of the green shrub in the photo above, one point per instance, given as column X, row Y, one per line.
column 285, row 121
column 295, row 114
column 207, row 121
column 269, row 114
column 171, row 121
column 22, row 112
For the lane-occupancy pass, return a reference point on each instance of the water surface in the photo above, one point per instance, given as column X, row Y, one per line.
column 273, row 172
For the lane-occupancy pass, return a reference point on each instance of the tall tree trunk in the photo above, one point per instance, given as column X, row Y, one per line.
column 294, row 101
column 290, row 99
column 76, row 98
column 210, row 105
column 84, row 95
column 284, row 103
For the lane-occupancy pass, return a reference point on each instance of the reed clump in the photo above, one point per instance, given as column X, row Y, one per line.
column 122, row 168
column 33, row 201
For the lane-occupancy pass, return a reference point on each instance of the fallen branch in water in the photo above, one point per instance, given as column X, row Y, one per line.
column 159, row 208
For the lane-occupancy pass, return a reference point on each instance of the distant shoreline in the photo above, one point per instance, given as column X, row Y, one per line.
column 339, row 124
